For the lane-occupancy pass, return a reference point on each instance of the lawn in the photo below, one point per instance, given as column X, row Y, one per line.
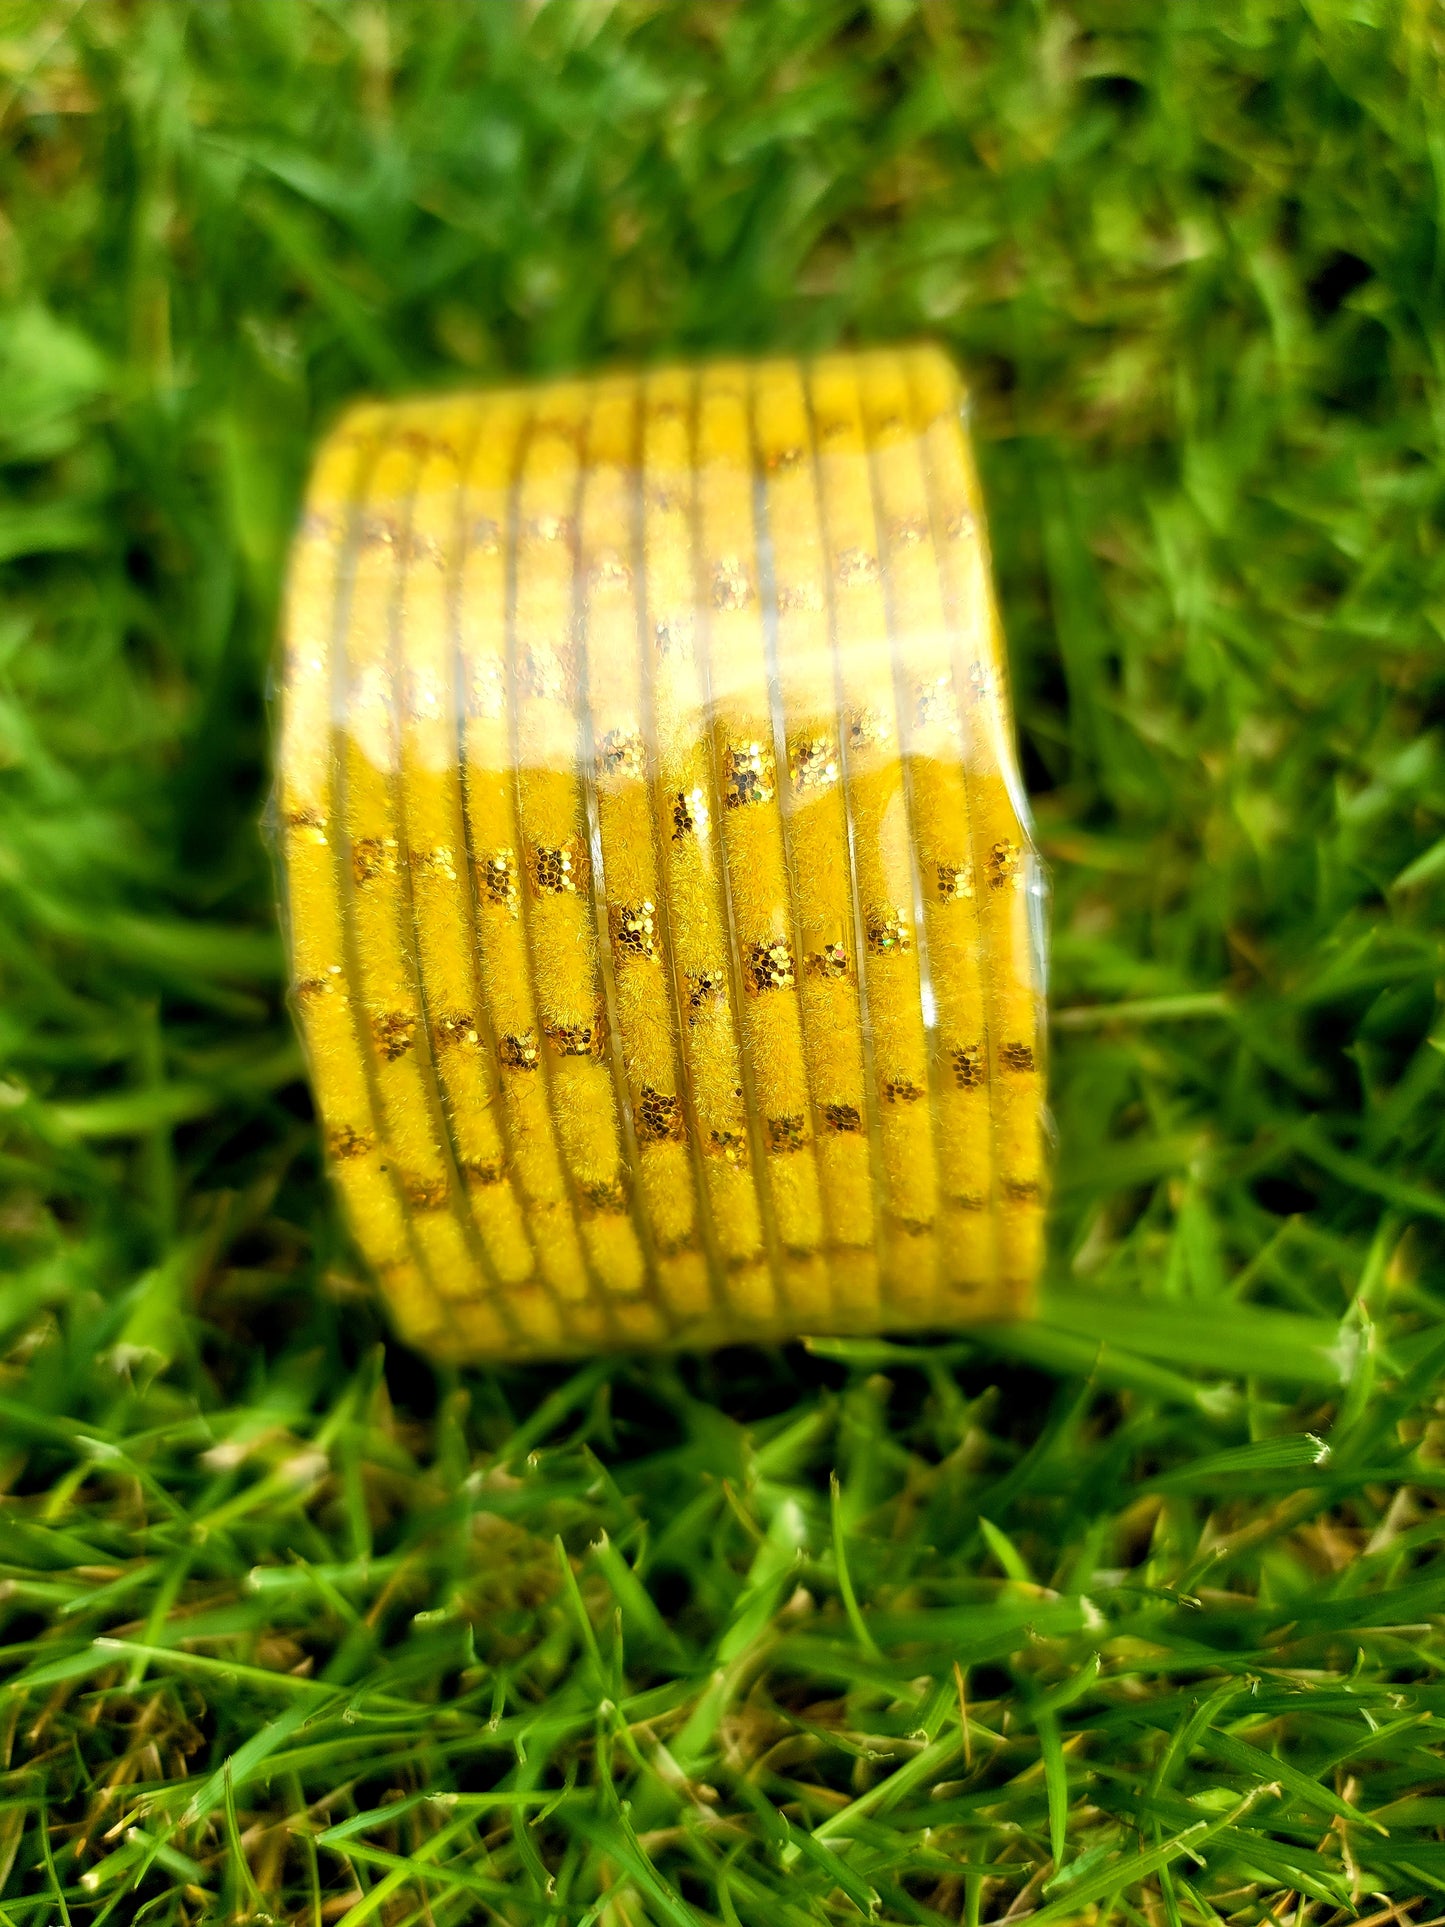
column 1135, row 1614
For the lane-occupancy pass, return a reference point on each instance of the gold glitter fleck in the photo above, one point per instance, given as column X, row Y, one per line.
column 622, row 753
column 1018, row 1057
column 577, row 1040
column 558, row 872
column 902, row 1090
column 300, row 661
column 518, row 1050
column 345, row 1141
column 549, row 528
column 750, row 773
column 933, row 704
column 689, row 813
column 634, row 928
column 1004, row 864
column 486, row 690
column 968, row 1067
column 868, row 729
column 373, row 856
column 855, row 566
column 424, row 1194
column 545, row 676
column 842, row 1118
column 830, row 963
column 814, row 763
column 459, row 1027
column 674, row 635
column 731, row 585
column 704, row 989
column 955, row 880
column 605, row 1194
column 371, row 697
column 439, row 862
column 608, row 571
column 421, row 444
column 497, row 874
column 394, row 1031
column 422, row 690
column 730, row 1146
column 421, row 548
column 309, row 825
column 787, row 1134
column 769, row 966
column 377, row 532
column 888, row 932
column 659, row 1117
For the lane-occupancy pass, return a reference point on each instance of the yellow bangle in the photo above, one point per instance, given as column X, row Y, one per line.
column 810, row 784
column 746, row 783
column 336, row 1018
column 374, row 885
column 494, row 849
column 688, row 834
column 931, row 739
column 1008, row 891
column 435, row 875
column 311, row 832
column 664, row 925
column 884, row 887
column 558, row 912
column 634, row 955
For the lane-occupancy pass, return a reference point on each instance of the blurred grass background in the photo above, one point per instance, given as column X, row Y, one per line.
column 1135, row 1615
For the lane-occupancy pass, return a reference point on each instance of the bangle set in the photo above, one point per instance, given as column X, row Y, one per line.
column 665, row 933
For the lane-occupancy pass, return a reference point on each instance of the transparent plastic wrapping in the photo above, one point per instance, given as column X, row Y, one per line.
column 665, row 930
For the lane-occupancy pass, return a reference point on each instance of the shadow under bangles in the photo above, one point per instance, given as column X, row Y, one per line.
column 665, row 932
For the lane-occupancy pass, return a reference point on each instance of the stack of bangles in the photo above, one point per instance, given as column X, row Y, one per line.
column 665, row 932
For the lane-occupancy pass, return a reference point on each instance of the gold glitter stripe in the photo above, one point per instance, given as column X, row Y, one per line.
column 1002, row 857
column 931, row 736
column 873, row 783
column 810, row 786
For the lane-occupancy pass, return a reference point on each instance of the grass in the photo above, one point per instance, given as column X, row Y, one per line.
column 1135, row 1615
